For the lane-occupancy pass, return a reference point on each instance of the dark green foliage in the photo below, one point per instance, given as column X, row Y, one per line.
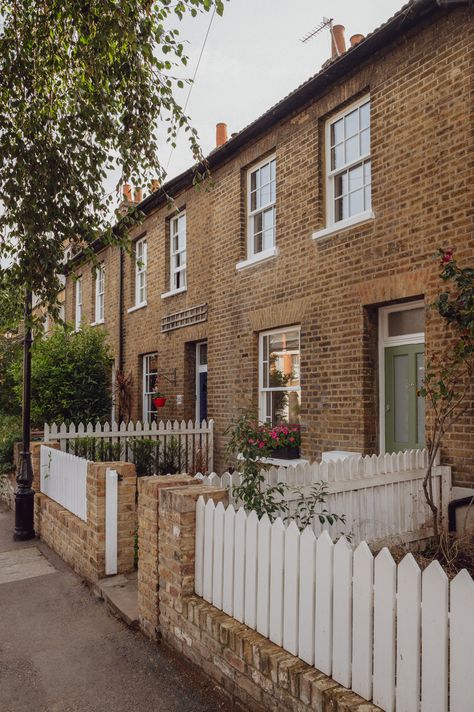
column 96, row 449
column 152, row 457
column 70, row 377
column 10, row 433
column 85, row 88
column 10, row 353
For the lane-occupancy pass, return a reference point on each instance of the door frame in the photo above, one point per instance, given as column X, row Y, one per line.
column 385, row 341
column 200, row 368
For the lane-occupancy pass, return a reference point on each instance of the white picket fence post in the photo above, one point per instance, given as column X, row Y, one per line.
column 382, row 630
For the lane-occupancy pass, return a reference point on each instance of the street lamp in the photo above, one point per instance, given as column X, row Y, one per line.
column 24, row 495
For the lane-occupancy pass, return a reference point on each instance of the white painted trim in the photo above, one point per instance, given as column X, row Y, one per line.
column 386, row 341
column 344, row 224
column 173, row 292
column 200, row 368
column 97, row 323
column 256, row 259
column 141, row 270
column 111, row 528
column 137, row 307
column 174, row 271
column 329, row 174
column 250, row 253
column 261, row 392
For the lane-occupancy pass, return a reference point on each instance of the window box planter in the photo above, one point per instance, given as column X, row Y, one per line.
column 159, row 401
column 286, row 452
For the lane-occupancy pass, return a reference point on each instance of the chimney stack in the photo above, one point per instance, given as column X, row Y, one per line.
column 138, row 195
column 127, row 192
column 355, row 39
column 221, row 134
column 338, row 42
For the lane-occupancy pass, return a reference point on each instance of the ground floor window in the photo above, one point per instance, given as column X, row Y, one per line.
column 201, row 381
column 279, row 375
column 149, row 375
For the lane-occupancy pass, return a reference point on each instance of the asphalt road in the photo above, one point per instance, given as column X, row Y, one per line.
column 61, row 651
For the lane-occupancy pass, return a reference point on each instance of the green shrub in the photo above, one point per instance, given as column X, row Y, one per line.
column 10, row 433
column 70, row 377
column 96, row 449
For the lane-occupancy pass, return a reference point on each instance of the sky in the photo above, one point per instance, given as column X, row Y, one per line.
column 254, row 57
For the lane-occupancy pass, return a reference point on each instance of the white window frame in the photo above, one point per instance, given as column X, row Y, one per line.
column 78, row 303
column 253, row 256
column 200, row 368
column 332, row 223
column 386, row 341
column 174, row 270
column 141, row 263
column 147, row 396
column 100, row 294
column 262, row 390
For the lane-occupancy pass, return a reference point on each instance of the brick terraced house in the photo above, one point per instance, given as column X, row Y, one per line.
column 311, row 254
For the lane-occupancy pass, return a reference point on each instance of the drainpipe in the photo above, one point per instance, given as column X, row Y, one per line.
column 120, row 325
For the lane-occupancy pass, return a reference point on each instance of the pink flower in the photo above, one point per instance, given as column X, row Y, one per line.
column 292, row 440
column 261, row 444
column 250, row 441
column 448, row 256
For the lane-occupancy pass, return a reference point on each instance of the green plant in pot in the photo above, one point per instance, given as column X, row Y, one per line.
column 159, row 398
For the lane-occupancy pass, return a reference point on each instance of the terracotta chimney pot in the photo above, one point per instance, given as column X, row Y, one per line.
column 138, row 195
column 222, row 134
column 127, row 192
column 355, row 39
column 338, row 43
column 155, row 185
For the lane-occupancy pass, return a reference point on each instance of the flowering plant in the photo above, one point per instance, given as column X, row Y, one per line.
column 259, row 440
column 156, row 390
column 283, row 435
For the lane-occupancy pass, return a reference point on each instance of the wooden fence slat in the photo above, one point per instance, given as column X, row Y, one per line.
column 263, row 583
column 208, row 549
column 461, row 690
column 290, row 589
column 323, row 614
column 199, row 547
column 239, row 565
column 228, row 568
column 408, row 635
column 362, row 616
column 306, row 596
column 277, row 558
column 384, row 631
column 218, row 557
column 434, row 639
column 251, row 548
column 342, row 613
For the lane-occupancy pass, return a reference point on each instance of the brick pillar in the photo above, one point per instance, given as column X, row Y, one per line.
column 177, row 530
column 148, row 514
column 126, row 517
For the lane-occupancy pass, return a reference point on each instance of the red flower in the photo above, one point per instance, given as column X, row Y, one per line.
column 448, row 256
column 261, row 444
column 292, row 440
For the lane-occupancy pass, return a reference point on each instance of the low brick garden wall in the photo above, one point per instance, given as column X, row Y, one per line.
column 256, row 674
column 82, row 544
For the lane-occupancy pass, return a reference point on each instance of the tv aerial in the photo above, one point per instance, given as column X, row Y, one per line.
column 326, row 23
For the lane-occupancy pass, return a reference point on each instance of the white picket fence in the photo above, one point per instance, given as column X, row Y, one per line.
column 381, row 496
column 393, row 634
column 195, row 439
column 63, row 477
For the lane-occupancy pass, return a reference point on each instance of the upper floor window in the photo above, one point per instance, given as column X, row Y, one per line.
column 261, row 191
column 99, row 293
column 178, row 252
column 140, row 271
column 348, row 163
column 279, row 376
column 78, row 310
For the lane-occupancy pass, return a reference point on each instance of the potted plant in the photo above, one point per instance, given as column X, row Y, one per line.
column 159, row 399
column 284, row 441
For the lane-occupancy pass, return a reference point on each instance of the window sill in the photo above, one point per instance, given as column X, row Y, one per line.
column 97, row 323
column 279, row 462
column 136, row 307
column 172, row 292
column 344, row 224
column 256, row 259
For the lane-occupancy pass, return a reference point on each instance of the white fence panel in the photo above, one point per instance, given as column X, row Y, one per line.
column 376, row 627
column 63, row 478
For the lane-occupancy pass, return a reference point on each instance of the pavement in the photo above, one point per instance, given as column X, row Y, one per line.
column 62, row 651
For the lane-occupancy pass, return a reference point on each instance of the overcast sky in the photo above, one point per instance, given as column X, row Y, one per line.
column 254, row 57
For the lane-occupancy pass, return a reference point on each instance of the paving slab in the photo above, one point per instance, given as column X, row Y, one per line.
column 121, row 595
column 23, row 564
column 61, row 651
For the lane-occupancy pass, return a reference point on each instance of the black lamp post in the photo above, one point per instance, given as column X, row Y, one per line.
column 24, row 495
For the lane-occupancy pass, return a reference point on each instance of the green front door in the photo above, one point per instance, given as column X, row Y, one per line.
column 404, row 410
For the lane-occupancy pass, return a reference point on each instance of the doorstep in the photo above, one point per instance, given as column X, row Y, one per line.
column 121, row 596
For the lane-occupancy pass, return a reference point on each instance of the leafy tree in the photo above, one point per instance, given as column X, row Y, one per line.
column 70, row 378
column 449, row 373
column 84, row 88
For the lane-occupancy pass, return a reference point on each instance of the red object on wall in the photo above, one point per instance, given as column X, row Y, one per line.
column 159, row 402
